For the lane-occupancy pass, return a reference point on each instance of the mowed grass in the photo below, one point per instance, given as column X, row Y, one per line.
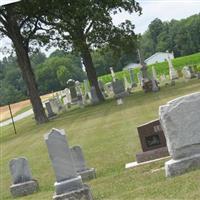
column 107, row 133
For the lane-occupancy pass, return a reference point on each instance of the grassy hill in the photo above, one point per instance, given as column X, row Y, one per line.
column 108, row 136
column 161, row 68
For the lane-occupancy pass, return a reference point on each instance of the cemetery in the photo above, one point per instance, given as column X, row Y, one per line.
column 109, row 138
column 96, row 133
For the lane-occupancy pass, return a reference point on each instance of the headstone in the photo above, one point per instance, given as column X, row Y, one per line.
column 127, row 85
column 109, row 89
column 50, row 112
column 112, row 74
column 80, row 164
column 172, row 72
column 79, row 94
column 133, row 83
column 94, row 97
column 68, row 184
column 146, row 82
column 72, row 87
column 188, row 72
column 152, row 141
column 56, row 105
column 155, row 87
column 23, row 184
column 180, row 122
column 119, row 89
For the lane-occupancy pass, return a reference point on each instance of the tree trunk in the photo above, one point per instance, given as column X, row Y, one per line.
column 29, row 77
column 21, row 48
column 91, row 73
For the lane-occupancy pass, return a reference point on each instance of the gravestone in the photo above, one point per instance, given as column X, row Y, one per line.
column 152, row 141
column 180, row 122
column 68, row 184
column 56, row 105
column 80, row 164
column 94, row 98
column 23, row 184
column 127, row 85
column 133, row 83
column 50, row 112
column 72, row 87
column 119, row 89
column 67, row 98
column 79, row 94
column 109, row 89
column 188, row 72
column 172, row 72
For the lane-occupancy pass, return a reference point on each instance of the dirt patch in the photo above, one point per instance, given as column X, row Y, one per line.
column 4, row 110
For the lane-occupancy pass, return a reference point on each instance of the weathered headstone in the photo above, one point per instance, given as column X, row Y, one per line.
column 172, row 72
column 72, row 87
column 119, row 89
column 131, row 73
column 180, row 122
column 109, row 89
column 80, row 164
column 79, row 94
column 127, row 85
column 50, row 112
column 152, row 141
column 23, row 184
column 188, row 72
column 56, row 105
column 68, row 184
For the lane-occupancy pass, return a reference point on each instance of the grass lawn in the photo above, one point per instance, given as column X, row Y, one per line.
column 108, row 136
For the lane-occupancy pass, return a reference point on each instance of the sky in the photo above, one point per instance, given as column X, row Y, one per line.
column 162, row 9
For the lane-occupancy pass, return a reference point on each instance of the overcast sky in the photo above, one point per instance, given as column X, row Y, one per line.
column 162, row 9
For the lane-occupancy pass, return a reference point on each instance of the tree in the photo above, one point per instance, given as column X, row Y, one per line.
column 21, row 28
column 87, row 24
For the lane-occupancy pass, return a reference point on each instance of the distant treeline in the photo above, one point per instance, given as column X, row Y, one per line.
column 182, row 37
column 52, row 73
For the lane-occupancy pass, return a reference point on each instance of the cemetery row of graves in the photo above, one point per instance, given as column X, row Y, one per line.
column 175, row 134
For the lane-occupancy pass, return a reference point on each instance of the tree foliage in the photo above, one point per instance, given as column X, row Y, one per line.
column 182, row 37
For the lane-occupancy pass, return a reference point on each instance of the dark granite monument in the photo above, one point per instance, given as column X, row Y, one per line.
column 152, row 140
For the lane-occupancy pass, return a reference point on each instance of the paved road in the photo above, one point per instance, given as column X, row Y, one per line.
column 17, row 118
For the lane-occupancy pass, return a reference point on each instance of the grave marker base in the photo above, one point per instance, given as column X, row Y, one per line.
column 23, row 189
column 88, row 174
column 68, row 185
column 180, row 166
column 152, row 154
column 80, row 194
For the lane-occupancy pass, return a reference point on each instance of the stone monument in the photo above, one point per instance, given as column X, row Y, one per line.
column 50, row 112
column 133, row 83
column 72, row 87
column 180, row 121
column 172, row 72
column 68, row 184
column 23, row 184
column 152, row 141
column 80, row 164
column 79, row 94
